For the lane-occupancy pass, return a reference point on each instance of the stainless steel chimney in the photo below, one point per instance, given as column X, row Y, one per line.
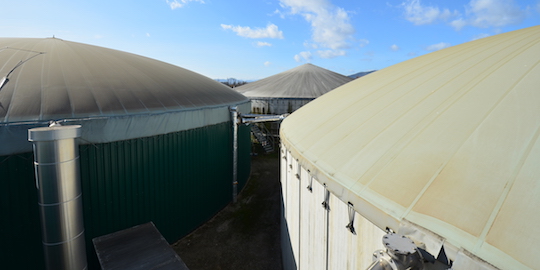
column 234, row 118
column 56, row 162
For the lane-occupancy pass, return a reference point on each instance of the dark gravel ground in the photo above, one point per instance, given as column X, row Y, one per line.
column 245, row 235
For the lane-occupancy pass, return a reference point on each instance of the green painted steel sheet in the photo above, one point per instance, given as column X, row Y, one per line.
column 177, row 180
column 20, row 231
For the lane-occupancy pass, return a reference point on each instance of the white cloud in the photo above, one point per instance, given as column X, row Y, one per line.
column 486, row 13
column 279, row 13
column 303, row 57
column 363, row 42
column 267, row 63
column 479, row 36
column 394, row 48
column 262, row 44
column 330, row 25
column 438, row 46
column 331, row 53
column 419, row 15
column 490, row 13
column 477, row 13
column 181, row 3
column 148, row 34
column 311, row 45
column 271, row 31
column 458, row 23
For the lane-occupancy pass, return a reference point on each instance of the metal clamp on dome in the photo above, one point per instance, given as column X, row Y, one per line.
column 310, row 186
column 298, row 170
column 350, row 226
column 3, row 81
column 326, row 202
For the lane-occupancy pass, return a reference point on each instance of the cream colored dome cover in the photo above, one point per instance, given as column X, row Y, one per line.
column 448, row 141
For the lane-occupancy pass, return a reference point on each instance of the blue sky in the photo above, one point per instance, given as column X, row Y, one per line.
column 250, row 40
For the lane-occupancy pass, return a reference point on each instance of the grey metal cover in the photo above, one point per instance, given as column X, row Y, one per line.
column 305, row 81
column 61, row 79
column 114, row 95
column 139, row 247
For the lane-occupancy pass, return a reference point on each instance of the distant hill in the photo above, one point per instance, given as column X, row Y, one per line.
column 360, row 74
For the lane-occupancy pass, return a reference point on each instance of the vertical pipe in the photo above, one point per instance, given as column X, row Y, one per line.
column 234, row 118
column 56, row 163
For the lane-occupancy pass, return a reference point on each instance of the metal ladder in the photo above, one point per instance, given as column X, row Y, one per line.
column 264, row 137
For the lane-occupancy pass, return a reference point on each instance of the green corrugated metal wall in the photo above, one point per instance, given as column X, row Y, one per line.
column 177, row 180
column 20, row 231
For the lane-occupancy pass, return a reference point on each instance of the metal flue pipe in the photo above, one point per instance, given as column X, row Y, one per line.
column 56, row 162
column 234, row 119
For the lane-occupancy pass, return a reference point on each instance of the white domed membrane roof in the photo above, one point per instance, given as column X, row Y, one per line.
column 305, row 81
column 53, row 79
column 446, row 143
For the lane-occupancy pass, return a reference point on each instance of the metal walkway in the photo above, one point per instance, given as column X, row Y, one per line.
column 263, row 136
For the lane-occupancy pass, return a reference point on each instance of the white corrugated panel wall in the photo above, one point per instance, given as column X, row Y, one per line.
column 319, row 238
column 313, row 225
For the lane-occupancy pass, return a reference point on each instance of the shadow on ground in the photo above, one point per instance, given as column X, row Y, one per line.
column 245, row 235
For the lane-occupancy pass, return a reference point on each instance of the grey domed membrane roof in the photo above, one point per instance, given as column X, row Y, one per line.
column 115, row 95
column 305, row 81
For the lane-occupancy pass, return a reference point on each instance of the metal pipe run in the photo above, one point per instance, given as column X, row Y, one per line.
column 257, row 118
column 234, row 119
column 56, row 162
column 238, row 119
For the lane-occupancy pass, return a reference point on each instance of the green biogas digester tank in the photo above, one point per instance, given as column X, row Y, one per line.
column 156, row 141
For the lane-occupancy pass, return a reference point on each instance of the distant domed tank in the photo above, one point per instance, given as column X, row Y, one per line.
column 443, row 149
column 156, row 141
column 289, row 90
